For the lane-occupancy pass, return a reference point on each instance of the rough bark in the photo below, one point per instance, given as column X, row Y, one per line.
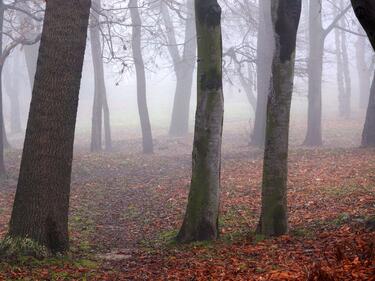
column 100, row 105
column 315, row 70
column 184, row 69
column 368, row 134
column 40, row 210
column 274, row 214
column 141, row 77
column 264, row 65
column 201, row 217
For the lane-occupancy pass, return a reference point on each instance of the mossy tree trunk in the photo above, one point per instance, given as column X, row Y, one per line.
column 100, row 105
column 365, row 12
column 201, row 217
column 264, row 65
column 40, row 210
column 274, row 214
column 148, row 146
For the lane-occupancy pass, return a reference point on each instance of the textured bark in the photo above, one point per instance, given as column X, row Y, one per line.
column 365, row 12
column 201, row 217
column 40, row 210
column 184, row 69
column 364, row 73
column 274, row 214
column 315, row 69
column 100, row 105
column 141, row 77
column 264, row 65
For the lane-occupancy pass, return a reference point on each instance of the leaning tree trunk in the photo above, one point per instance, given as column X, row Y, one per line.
column 264, row 65
column 141, row 77
column 365, row 12
column 202, row 213
column 274, row 213
column 40, row 210
column 315, row 70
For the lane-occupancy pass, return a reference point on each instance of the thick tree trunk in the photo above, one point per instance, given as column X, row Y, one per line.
column 141, row 77
column 264, row 64
column 184, row 69
column 202, row 213
column 363, row 70
column 2, row 127
column 274, row 213
column 315, row 69
column 40, row 210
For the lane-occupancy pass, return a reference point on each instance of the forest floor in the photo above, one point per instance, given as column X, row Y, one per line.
column 126, row 208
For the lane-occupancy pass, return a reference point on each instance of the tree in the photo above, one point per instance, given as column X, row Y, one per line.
column 264, row 65
column 141, row 77
column 40, row 210
column 274, row 214
column 100, row 104
column 365, row 12
column 183, row 66
column 317, row 34
column 202, row 213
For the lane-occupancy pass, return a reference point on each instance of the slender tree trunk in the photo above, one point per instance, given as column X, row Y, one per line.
column 40, row 210
column 184, row 74
column 363, row 69
column 340, row 71
column 11, row 83
column 141, row 77
column 315, row 70
column 274, row 213
column 345, row 98
column 264, row 65
column 202, row 213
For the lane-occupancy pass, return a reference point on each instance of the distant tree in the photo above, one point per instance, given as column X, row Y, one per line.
column 274, row 214
column 202, row 213
column 100, row 104
column 141, row 77
column 264, row 65
column 183, row 65
column 365, row 12
column 40, row 210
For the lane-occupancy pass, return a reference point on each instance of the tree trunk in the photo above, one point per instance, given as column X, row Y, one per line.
column 99, row 88
column 264, row 64
column 2, row 127
column 363, row 69
column 11, row 83
column 274, row 212
column 141, row 77
column 345, row 97
column 201, row 217
column 184, row 69
column 40, row 210
column 315, row 69
column 368, row 134
column 365, row 12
